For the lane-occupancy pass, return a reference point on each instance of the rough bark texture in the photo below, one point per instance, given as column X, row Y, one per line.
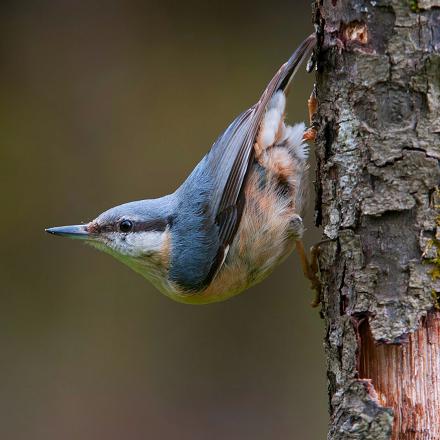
column 378, row 150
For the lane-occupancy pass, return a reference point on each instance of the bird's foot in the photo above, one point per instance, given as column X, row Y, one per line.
column 310, row 134
column 310, row 269
column 312, row 105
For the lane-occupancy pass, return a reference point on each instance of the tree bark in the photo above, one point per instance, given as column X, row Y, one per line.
column 378, row 151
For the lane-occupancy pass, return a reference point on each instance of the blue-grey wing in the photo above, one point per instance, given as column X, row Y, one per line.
column 212, row 198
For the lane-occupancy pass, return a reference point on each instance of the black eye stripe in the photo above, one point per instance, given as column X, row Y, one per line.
column 158, row 225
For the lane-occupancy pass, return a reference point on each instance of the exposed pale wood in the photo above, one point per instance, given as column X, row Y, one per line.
column 406, row 378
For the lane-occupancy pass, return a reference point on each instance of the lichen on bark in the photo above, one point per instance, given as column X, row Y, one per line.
column 378, row 151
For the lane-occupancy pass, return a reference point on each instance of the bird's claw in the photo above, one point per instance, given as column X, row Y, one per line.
column 310, row 134
column 310, row 269
column 312, row 105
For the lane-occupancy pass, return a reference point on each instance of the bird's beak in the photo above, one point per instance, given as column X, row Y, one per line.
column 74, row 231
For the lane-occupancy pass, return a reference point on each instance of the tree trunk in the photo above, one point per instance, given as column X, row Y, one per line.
column 378, row 151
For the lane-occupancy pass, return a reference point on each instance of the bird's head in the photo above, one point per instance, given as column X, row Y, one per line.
column 136, row 233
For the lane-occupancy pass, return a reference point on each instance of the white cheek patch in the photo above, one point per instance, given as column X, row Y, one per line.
column 136, row 244
column 145, row 242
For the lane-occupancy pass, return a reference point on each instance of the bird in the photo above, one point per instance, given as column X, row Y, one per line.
column 235, row 218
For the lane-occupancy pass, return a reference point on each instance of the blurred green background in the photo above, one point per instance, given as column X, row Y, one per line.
column 107, row 102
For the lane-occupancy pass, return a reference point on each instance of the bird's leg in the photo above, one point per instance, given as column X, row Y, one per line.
column 312, row 104
column 310, row 269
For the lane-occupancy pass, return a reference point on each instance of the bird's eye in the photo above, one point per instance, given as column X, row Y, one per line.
column 126, row 226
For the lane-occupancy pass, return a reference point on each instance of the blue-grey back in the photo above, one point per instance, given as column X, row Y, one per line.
column 195, row 239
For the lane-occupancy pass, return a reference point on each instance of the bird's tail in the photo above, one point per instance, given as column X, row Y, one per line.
column 298, row 57
column 283, row 77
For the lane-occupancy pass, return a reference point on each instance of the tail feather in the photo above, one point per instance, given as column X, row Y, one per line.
column 287, row 71
column 297, row 58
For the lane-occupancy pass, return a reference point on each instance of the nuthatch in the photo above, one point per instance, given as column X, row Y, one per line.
column 233, row 220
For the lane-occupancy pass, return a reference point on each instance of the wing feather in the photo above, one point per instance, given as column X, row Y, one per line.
column 239, row 143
